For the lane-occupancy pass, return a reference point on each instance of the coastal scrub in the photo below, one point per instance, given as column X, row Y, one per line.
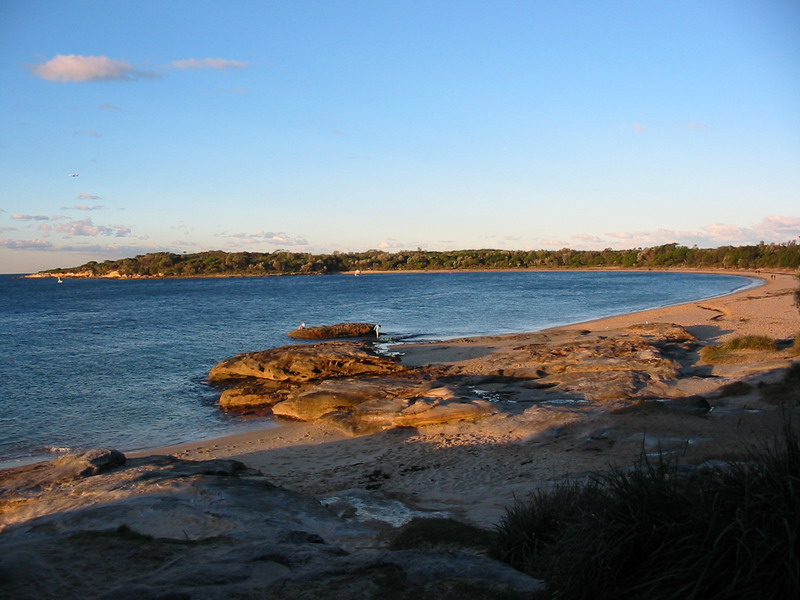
column 664, row 532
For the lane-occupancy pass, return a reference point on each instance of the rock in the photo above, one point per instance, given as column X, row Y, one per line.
column 261, row 393
column 377, row 415
column 45, row 475
column 340, row 330
column 160, row 527
column 599, row 386
column 313, row 401
column 305, row 362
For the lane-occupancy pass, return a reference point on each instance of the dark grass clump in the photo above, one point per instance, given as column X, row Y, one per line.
column 659, row 532
column 786, row 391
column 737, row 388
column 440, row 532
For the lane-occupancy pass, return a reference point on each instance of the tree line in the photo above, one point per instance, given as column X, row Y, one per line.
column 281, row 262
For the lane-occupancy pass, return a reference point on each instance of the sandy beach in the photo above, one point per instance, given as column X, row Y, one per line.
column 473, row 470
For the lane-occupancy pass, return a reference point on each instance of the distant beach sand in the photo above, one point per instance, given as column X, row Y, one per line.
column 476, row 470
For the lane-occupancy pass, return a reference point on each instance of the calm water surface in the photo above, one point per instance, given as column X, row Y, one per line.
column 122, row 364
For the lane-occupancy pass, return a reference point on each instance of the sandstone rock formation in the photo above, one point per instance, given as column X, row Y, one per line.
column 304, row 362
column 348, row 385
column 340, row 330
column 161, row 527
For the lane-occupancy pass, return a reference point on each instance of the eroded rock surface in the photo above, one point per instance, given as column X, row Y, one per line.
column 167, row 528
column 304, row 362
column 349, row 386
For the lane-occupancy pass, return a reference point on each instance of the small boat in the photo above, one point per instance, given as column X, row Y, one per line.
column 60, row 280
column 357, row 273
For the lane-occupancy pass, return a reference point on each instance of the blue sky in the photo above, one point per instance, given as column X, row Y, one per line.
column 350, row 125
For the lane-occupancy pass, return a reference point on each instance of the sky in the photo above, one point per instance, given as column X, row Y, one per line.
column 129, row 127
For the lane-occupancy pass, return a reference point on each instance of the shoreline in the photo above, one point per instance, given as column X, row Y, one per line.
column 749, row 278
column 709, row 270
column 473, row 470
column 418, row 349
column 779, row 318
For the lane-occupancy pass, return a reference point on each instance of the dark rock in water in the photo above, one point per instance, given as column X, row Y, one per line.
column 304, row 362
column 340, row 330
column 161, row 527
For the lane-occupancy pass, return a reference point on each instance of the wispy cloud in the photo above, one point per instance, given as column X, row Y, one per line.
column 25, row 244
column 393, row 244
column 207, row 63
column 85, row 227
column 89, row 132
column 83, row 206
column 19, row 217
column 109, row 106
column 772, row 229
column 270, row 237
column 77, row 68
column 82, row 69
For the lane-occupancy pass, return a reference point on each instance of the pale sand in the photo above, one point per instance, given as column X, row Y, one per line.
column 475, row 470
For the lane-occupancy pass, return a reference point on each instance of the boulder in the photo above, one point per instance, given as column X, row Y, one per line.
column 377, row 415
column 312, row 401
column 340, row 330
column 305, row 362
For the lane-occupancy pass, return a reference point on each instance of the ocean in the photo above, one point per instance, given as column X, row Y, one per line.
column 123, row 363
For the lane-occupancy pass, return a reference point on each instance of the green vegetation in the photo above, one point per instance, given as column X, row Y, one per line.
column 727, row 351
column 218, row 263
column 660, row 532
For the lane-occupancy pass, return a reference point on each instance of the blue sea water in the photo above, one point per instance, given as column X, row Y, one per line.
column 122, row 363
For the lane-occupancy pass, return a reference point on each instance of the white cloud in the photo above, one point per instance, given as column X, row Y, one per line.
column 777, row 226
column 25, row 244
column 772, row 229
column 270, row 237
column 20, row 217
column 73, row 67
column 588, row 239
column 391, row 243
column 207, row 63
column 85, row 227
column 83, row 206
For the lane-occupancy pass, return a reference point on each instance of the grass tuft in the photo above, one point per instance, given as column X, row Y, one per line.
column 660, row 532
column 726, row 351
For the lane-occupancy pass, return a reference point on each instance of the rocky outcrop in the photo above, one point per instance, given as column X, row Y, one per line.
column 639, row 361
column 340, row 330
column 161, row 527
column 305, row 362
column 348, row 385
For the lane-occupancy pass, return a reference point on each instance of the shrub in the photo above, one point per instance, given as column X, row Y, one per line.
column 751, row 342
column 658, row 532
column 723, row 353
